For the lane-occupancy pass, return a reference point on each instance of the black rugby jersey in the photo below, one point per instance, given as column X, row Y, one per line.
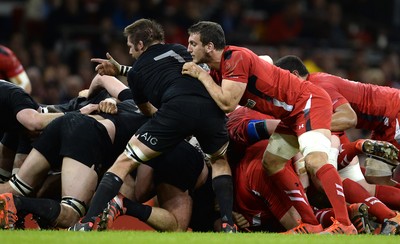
column 12, row 100
column 156, row 76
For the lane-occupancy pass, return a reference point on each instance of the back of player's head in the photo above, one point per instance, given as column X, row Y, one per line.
column 292, row 63
column 209, row 32
column 145, row 30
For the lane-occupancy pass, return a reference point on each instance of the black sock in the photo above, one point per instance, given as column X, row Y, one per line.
column 46, row 209
column 137, row 210
column 108, row 188
column 223, row 189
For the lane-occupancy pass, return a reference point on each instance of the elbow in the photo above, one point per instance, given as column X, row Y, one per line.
column 32, row 126
column 352, row 121
column 35, row 124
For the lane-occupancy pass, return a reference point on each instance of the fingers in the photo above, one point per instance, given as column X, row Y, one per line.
column 108, row 106
column 98, row 60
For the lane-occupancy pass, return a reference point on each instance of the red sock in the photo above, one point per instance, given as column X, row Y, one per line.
column 288, row 181
column 348, row 152
column 324, row 217
column 389, row 195
column 332, row 184
column 397, row 185
column 355, row 193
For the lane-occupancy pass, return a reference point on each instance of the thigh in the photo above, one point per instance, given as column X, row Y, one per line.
column 283, row 145
column 78, row 180
column 34, row 169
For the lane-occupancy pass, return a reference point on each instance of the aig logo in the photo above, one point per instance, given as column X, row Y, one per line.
column 153, row 141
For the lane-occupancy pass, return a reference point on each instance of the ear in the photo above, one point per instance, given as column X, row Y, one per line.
column 209, row 47
column 140, row 46
column 296, row 73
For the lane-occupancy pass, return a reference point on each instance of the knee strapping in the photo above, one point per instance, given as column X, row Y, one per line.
column 20, row 186
column 135, row 154
column 313, row 141
column 220, row 153
column 78, row 206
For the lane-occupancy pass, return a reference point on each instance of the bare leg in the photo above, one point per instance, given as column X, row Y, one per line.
column 78, row 182
column 32, row 172
column 175, row 209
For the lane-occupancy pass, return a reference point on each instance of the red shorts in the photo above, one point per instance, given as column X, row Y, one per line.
column 256, row 197
column 312, row 111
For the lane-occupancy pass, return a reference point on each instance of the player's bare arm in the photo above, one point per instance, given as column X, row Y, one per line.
column 343, row 118
column 35, row 121
column 112, row 85
column 227, row 96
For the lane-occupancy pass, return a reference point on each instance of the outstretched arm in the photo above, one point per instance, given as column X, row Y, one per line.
column 110, row 83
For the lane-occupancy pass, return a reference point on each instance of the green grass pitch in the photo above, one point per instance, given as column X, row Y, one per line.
column 150, row 237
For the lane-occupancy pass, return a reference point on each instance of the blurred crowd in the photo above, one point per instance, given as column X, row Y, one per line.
column 55, row 39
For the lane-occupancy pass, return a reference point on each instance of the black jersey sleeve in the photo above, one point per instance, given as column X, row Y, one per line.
column 125, row 94
column 21, row 100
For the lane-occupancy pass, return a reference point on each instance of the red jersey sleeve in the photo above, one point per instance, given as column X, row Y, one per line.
column 235, row 66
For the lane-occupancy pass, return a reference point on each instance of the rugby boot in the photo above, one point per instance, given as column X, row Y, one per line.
column 227, row 228
column 114, row 209
column 379, row 149
column 8, row 211
column 358, row 213
column 304, row 228
column 339, row 228
column 391, row 226
column 85, row 227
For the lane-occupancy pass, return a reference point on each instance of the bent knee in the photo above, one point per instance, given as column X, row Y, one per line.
column 315, row 160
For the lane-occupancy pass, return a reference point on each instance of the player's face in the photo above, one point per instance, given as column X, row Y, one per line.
column 197, row 49
column 133, row 50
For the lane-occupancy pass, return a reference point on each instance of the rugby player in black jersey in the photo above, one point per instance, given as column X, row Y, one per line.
column 179, row 107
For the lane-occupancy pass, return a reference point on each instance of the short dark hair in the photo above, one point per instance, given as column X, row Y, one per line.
column 292, row 63
column 209, row 32
column 145, row 30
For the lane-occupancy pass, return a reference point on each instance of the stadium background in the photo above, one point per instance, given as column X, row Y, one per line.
column 55, row 39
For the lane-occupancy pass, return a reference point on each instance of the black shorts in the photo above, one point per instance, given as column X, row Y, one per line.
column 185, row 116
column 10, row 140
column 180, row 167
column 76, row 136
column 19, row 142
